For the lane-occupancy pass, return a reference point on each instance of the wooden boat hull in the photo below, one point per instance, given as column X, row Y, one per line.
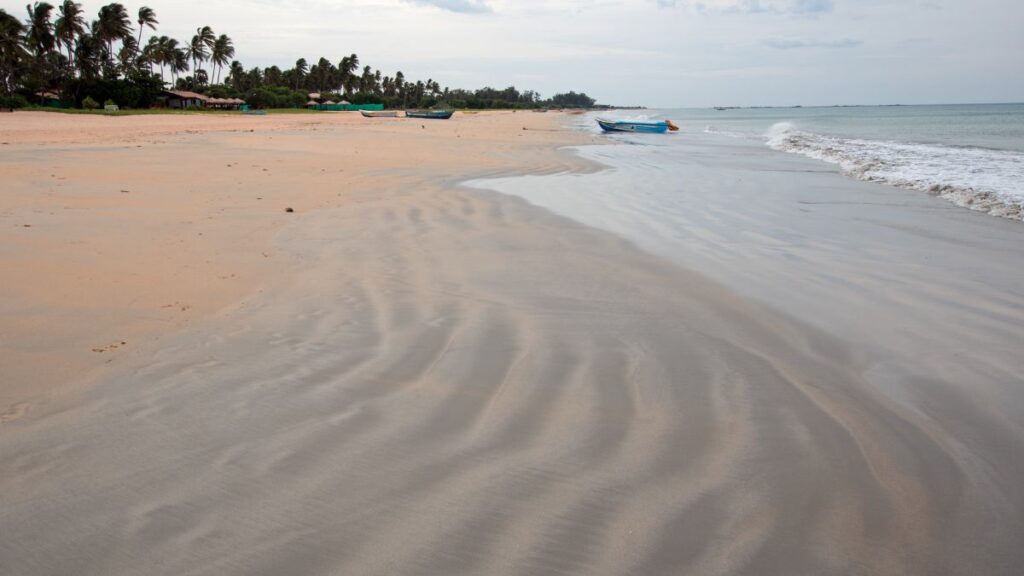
column 380, row 113
column 659, row 127
column 429, row 114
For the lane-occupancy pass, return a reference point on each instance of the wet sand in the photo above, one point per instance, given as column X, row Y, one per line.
column 426, row 379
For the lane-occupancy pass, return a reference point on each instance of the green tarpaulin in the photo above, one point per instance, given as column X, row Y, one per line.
column 346, row 107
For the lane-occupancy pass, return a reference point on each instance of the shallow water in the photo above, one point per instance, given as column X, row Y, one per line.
column 971, row 155
column 918, row 286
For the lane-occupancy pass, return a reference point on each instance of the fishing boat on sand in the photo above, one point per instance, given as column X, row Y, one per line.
column 648, row 127
column 429, row 114
column 379, row 113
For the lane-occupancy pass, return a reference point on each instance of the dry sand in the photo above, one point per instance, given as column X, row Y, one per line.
column 405, row 377
column 117, row 230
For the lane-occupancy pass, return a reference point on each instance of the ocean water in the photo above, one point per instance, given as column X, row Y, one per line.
column 845, row 218
column 970, row 155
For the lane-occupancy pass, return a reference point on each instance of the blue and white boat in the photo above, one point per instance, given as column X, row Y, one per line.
column 655, row 127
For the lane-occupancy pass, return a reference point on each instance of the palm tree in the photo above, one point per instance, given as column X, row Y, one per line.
column 127, row 56
column 272, row 76
column 151, row 54
column 164, row 53
column 156, row 52
column 366, row 80
column 40, row 40
column 88, row 56
column 177, row 59
column 113, row 24
column 171, row 53
column 39, row 37
column 400, row 87
column 222, row 53
column 236, row 75
column 207, row 38
column 12, row 51
column 300, row 70
column 320, row 73
column 70, row 25
column 147, row 17
column 199, row 48
column 196, row 51
column 347, row 66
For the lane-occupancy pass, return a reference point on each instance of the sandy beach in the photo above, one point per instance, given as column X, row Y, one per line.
column 117, row 231
column 407, row 376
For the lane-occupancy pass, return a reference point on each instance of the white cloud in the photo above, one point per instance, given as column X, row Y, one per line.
column 753, row 6
column 790, row 43
column 461, row 6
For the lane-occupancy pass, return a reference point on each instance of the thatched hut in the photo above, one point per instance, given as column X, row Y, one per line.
column 224, row 103
column 184, row 99
column 49, row 98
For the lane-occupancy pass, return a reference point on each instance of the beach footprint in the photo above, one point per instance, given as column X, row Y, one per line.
column 14, row 412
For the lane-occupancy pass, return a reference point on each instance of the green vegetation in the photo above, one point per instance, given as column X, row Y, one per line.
column 13, row 101
column 56, row 51
column 151, row 111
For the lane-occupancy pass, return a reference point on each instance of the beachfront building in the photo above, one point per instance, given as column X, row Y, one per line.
column 225, row 103
column 183, row 99
column 49, row 99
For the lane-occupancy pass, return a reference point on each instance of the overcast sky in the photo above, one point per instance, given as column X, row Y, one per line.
column 650, row 52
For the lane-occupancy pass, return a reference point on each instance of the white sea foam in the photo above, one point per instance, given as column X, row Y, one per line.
column 709, row 129
column 989, row 181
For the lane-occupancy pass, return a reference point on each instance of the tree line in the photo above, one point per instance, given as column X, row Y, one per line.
column 56, row 49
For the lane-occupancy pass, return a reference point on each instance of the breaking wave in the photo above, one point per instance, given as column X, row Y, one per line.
column 985, row 180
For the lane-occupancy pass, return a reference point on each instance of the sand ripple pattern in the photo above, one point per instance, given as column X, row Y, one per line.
column 453, row 382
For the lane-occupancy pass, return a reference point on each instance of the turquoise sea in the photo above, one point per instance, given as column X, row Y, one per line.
column 970, row 154
column 837, row 216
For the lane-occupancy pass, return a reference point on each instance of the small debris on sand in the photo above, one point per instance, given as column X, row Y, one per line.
column 110, row 347
column 289, row 209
